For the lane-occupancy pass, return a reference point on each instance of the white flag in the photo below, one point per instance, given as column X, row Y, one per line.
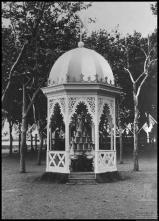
column 152, row 120
column 129, row 126
column 147, row 128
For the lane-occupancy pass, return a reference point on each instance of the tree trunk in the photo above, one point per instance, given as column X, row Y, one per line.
column 36, row 143
column 135, row 154
column 23, row 135
column 40, row 148
column 120, row 134
column 121, row 145
column 11, row 138
column 31, row 142
column 19, row 137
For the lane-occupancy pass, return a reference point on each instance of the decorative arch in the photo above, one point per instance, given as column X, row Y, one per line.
column 81, row 136
column 75, row 101
column 106, row 128
column 101, row 103
column 57, row 129
column 76, row 107
column 61, row 102
column 106, row 116
column 58, row 114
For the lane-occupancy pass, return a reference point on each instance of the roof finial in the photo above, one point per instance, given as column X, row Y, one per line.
column 80, row 43
column 80, row 25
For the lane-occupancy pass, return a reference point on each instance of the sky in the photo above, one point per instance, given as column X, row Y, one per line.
column 129, row 16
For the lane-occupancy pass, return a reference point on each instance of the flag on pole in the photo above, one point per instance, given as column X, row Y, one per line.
column 5, row 129
column 129, row 126
column 152, row 120
column 147, row 128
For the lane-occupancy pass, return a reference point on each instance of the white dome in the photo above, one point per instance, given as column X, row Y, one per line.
column 81, row 65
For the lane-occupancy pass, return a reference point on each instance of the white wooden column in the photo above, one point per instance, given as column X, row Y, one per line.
column 114, row 121
column 67, row 141
column 50, row 132
column 93, row 132
column 67, row 135
column 48, row 136
column 96, row 134
column 111, row 138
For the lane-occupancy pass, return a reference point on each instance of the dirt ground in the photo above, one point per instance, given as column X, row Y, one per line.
column 23, row 197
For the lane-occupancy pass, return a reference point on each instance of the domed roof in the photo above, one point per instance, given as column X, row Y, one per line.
column 81, row 65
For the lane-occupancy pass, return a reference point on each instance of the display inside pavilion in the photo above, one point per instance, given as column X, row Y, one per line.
column 81, row 119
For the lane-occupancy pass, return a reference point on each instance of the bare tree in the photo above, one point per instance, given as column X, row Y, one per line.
column 137, row 85
column 32, row 37
column 29, row 38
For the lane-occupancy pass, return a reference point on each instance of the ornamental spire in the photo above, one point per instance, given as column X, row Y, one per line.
column 82, row 28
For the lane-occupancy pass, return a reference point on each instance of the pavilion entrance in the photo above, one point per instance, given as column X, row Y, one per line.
column 81, row 140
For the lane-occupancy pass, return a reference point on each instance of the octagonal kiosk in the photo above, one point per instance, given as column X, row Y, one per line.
column 81, row 125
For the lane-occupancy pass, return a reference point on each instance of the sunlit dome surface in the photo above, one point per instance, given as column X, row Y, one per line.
column 81, row 65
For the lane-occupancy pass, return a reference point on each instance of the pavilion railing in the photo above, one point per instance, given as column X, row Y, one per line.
column 58, row 161
column 105, row 160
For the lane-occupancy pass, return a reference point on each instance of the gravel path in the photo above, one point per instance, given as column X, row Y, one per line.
column 25, row 198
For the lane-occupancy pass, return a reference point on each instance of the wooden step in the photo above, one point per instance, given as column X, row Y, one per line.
column 82, row 175
column 81, row 182
column 81, row 178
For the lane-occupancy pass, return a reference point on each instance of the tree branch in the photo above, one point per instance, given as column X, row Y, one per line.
column 27, row 82
column 151, row 51
column 152, row 61
column 12, row 69
column 18, row 58
column 15, row 34
column 31, row 102
column 130, row 75
column 148, row 42
column 22, row 49
column 139, row 88
column 146, row 72
column 13, row 22
column 141, row 50
column 36, row 24
column 145, row 63
column 139, row 77
column 33, row 109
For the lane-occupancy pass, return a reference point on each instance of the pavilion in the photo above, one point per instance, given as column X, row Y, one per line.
column 81, row 114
